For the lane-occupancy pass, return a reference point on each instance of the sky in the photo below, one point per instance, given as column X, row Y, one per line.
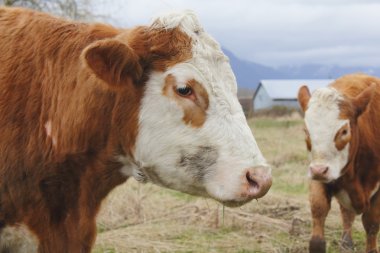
column 274, row 32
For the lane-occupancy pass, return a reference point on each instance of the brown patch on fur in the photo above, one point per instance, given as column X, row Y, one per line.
column 195, row 106
column 159, row 49
column 342, row 137
column 113, row 62
column 346, row 110
column 303, row 97
column 103, row 31
column 127, row 124
column 362, row 173
column 169, row 47
column 307, row 139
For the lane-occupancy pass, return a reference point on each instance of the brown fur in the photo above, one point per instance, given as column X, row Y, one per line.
column 342, row 137
column 307, row 139
column 362, row 173
column 303, row 97
column 84, row 83
column 159, row 48
column 194, row 106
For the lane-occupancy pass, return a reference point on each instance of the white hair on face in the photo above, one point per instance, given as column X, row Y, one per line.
column 322, row 119
column 326, row 97
column 186, row 21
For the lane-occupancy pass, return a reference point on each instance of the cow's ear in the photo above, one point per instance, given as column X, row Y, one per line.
column 361, row 101
column 114, row 62
column 303, row 97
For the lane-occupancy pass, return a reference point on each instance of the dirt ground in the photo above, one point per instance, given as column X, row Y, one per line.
column 147, row 218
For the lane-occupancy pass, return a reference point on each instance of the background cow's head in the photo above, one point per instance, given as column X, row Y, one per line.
column 331, row 128
column 191, row 133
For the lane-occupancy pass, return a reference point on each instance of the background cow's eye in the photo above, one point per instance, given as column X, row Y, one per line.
column 344, row 132
column 184, row 91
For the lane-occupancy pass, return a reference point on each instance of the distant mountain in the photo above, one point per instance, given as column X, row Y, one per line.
column 249, row 74
column 322, row 71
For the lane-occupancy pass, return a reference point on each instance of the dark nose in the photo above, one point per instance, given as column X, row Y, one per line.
column 319, row 171
column 258, row 182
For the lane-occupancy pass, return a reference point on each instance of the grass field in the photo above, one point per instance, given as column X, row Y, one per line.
column 147, row 218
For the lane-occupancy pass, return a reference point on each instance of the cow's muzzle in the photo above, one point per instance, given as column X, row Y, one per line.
column 257, row 182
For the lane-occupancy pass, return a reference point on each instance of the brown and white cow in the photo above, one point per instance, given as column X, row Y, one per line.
column 85, row 106
column 342, row 125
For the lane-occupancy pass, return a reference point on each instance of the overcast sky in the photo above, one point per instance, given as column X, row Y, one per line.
column 276, row 32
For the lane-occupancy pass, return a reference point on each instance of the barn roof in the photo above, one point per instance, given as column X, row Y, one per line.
column 288, row 89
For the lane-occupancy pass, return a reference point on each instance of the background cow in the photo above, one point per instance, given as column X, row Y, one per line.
column 85, row 106
column 342, row 125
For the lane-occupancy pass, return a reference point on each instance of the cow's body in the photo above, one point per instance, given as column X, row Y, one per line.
column 357, row 185
column 41, row 184
column 76, row 118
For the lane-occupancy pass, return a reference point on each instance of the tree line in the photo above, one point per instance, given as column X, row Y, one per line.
column 74, row 9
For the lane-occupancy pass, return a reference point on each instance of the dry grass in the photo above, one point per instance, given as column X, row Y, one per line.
column 146, row 218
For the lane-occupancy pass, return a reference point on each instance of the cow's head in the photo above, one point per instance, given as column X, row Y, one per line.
column 331, row 129
column 192, row 134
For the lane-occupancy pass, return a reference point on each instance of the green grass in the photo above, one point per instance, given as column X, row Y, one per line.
column 247, row 251
column 290, row 188
column 104, row 250
column 180, row 195
column 270, row 123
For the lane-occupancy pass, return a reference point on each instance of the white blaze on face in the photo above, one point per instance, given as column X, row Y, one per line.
column 210, row 159
column 323, row 122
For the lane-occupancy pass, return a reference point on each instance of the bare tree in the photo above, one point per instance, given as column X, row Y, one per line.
column 74, row 9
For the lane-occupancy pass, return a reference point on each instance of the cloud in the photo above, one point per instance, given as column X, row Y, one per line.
column 276, row 32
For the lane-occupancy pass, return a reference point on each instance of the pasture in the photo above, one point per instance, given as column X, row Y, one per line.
column 147, row 218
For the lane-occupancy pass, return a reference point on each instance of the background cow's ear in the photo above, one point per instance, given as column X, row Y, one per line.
column 361, row 101
column 303, row 97
column 114, row 62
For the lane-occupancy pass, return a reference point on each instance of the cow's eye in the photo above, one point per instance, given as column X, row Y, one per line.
column 184, row 91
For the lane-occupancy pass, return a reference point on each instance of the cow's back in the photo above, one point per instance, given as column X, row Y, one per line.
column 40, row 61
column 353, row 84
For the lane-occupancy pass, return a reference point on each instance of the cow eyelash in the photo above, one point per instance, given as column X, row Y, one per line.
column 184, row 91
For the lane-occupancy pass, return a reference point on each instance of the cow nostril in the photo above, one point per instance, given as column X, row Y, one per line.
column 319, row 172
column 257, row 182
column 252, row 183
